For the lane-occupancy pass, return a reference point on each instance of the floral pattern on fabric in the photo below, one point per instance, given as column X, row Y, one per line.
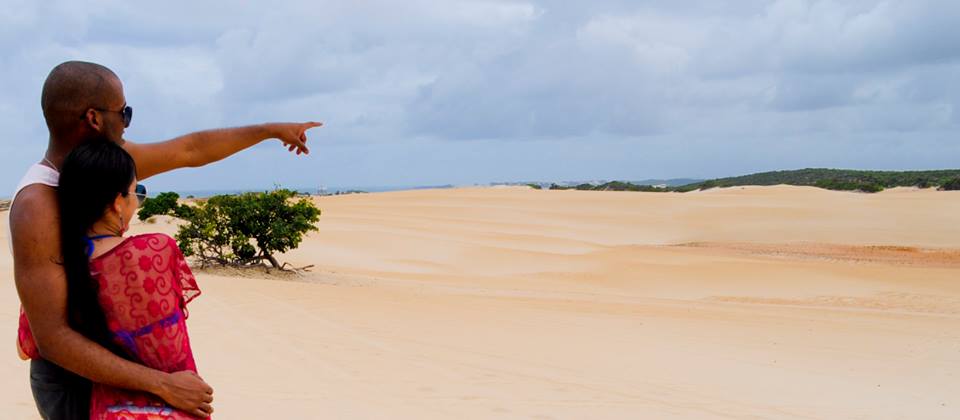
column 144, row 287
column 25, row 337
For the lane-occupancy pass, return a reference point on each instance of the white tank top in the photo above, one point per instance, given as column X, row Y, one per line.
column 37, row 174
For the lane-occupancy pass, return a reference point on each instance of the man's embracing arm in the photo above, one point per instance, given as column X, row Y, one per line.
column 42, row 286
column 203, row 147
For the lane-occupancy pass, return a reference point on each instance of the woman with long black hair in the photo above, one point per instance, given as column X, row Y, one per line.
column 128, row 294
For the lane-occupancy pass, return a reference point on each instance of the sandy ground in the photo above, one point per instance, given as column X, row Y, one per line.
column 760, row 302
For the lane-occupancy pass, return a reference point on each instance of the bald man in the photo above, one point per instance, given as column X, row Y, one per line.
column 82, row 100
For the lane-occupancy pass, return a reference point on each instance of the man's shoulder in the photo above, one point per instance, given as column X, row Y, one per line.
column 33, row 202
column 36, row 195
column 35, row 225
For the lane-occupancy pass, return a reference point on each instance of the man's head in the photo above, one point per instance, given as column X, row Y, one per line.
column 81, row 101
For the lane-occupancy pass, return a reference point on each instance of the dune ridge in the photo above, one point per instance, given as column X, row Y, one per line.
column 748, row 302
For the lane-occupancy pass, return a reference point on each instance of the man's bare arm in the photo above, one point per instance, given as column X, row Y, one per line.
column 203, row 147
column 42, row 286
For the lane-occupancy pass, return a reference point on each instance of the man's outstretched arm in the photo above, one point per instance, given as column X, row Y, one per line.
column 203, row 147
column 42, row 286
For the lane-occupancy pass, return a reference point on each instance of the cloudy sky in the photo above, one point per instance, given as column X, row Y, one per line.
column 475, row 91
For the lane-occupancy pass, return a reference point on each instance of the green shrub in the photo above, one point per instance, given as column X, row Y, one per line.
column 245, row 229
column 162, row 204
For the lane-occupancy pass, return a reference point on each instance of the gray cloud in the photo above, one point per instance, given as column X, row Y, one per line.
column 484, row 90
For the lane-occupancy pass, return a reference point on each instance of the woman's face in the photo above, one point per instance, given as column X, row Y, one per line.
column 128, row 205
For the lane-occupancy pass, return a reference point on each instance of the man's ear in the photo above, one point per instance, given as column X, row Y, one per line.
column 92, row 117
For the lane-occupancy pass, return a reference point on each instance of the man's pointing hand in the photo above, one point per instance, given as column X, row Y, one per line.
column 293, row 135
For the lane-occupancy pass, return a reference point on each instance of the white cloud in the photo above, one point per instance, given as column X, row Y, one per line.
column 707, row 87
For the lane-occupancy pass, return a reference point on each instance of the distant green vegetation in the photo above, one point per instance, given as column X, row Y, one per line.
column 612, row 186
column 951, row 185
column 837, row 179
column 840, row 185
column 831, row 179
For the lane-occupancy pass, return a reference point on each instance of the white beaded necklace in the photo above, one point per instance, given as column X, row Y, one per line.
column 51, row 164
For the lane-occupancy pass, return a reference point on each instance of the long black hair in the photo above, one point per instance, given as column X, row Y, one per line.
column 92, row 177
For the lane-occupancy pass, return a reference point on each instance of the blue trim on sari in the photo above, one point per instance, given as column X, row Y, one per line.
column 90, row 240
column 133, row 409
column 127, row 336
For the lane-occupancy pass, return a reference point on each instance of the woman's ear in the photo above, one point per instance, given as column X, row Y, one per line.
column 118, row 203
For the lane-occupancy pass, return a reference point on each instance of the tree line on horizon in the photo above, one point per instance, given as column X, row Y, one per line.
column 831, row 179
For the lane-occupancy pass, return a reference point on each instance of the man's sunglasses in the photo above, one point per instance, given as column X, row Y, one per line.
column 126, row 113
column 141, row 193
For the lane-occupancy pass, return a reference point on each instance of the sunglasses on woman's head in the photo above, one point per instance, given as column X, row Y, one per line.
column 141, row 193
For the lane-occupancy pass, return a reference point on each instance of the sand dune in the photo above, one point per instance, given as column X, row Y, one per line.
column 757, row 302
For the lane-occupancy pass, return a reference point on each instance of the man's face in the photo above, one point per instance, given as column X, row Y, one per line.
column 110, row 112
column 113, row 112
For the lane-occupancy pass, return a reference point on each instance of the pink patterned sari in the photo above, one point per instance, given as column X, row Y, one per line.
column 144, row 287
